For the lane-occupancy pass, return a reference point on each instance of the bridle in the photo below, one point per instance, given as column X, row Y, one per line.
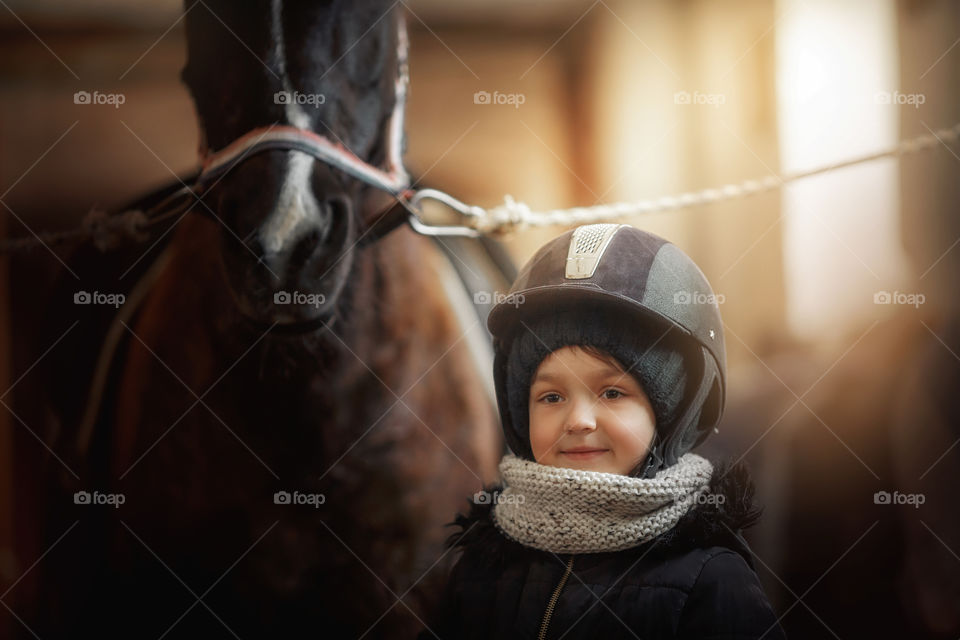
column 392, row 180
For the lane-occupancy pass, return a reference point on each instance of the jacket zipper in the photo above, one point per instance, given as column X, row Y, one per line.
column 553, row 600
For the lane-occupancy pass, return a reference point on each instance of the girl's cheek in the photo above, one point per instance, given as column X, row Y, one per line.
column 539, row 440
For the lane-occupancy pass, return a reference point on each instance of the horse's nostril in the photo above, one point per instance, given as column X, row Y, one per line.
column 309, row 248
column 327, row 229
column 306, row 246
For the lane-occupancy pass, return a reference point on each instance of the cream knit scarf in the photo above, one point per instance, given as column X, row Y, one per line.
column 571, row 511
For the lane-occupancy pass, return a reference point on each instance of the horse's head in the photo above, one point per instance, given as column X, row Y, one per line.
column 290, row 223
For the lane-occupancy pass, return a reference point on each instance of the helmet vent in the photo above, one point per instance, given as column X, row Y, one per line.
column 586, row 248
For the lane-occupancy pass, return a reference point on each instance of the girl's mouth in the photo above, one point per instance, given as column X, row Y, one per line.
column 583, row 453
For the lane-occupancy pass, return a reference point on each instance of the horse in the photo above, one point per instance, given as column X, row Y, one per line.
column 289, row 411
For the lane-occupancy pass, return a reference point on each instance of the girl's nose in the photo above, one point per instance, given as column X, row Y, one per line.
column 581, row 417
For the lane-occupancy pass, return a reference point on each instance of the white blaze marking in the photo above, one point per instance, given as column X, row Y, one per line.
column 296, row 211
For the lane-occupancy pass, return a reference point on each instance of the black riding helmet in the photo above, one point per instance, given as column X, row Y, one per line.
column 632, row 275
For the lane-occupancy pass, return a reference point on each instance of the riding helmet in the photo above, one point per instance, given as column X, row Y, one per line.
column 641, row 288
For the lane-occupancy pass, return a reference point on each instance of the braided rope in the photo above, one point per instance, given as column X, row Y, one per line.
column 513, row 216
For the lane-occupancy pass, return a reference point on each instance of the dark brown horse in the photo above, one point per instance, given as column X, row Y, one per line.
column 286, row 465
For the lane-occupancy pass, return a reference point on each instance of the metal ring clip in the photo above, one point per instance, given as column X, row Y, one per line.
column 414, row 208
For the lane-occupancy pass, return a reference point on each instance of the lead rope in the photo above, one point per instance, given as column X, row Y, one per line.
column 513, row 216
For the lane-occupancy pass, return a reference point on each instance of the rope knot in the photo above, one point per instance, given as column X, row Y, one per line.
column 509, row 217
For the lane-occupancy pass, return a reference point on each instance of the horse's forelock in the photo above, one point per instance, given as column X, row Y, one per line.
column 241, row 54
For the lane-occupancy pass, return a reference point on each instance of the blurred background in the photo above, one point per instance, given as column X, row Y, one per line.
column 838, row 291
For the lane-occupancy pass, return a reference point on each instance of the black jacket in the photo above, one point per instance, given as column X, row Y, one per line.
column 694, row 581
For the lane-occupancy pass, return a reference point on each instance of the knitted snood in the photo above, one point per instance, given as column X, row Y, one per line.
column 571, row 511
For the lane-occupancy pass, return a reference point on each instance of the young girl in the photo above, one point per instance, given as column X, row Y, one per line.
column 609, row 367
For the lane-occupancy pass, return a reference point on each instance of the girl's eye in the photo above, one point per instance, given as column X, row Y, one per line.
column 551, row 398
column 612, row 394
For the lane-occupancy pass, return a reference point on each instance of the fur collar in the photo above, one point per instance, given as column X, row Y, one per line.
column 704, row 525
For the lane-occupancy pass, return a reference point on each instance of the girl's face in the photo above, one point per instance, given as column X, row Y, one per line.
column 587, row 414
